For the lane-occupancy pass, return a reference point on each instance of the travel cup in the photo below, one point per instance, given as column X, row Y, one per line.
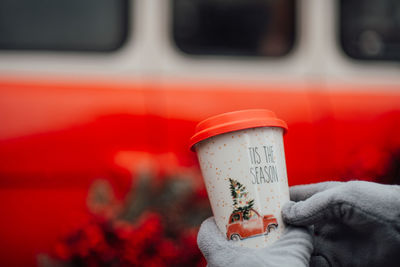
column 242, row 160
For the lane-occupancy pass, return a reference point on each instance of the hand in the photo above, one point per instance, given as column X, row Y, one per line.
column 355, row 223
column 293, row 249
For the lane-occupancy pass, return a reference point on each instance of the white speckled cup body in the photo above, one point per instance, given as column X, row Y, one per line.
column 255, row 159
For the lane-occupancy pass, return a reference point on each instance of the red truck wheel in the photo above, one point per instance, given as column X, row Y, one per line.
column 272, row 226
column 235, row 237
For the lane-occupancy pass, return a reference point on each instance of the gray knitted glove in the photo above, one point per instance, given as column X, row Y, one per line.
column 293, row 249
column 355, row 223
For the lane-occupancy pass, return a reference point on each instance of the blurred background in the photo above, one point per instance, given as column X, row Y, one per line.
column 98, row 100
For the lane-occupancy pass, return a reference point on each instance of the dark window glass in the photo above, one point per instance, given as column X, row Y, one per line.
column 234, row 27
column 235, row 218
column 76, row 25
column 370, row 29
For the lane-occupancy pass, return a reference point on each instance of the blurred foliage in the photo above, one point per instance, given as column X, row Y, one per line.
column 154, row 225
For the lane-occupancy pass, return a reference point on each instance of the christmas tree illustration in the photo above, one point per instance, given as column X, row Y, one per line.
column 241, row 202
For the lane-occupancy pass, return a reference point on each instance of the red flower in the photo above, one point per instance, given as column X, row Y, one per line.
column 61, row 251
column 105, row 238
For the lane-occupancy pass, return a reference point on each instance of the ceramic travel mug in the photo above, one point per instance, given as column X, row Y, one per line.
column 242, row 161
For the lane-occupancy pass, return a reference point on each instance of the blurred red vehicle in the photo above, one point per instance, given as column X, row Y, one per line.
column 239, row 228
column 139, row 75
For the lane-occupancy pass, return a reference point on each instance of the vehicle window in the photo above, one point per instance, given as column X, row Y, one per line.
column 235, row 218
column 253, row 215
column 369, row 29
column 234, row 27
column 76, row 25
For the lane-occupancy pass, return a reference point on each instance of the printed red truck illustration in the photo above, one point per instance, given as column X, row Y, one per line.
column 240, row 228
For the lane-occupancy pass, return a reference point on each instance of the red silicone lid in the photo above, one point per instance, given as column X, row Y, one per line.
column 234, row 121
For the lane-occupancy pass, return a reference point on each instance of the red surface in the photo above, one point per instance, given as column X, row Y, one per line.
column 34, row 217
column 56, row 138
